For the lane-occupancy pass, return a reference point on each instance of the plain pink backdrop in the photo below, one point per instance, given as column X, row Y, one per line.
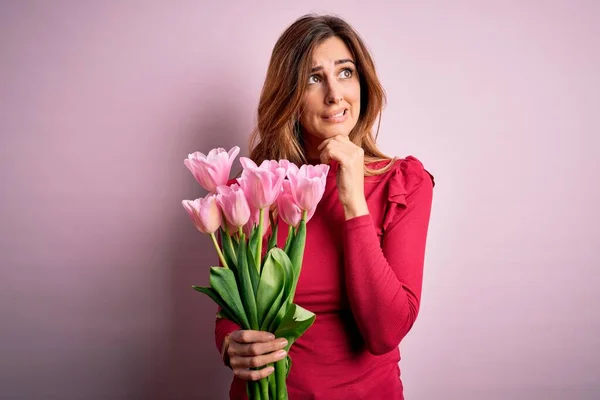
column 100, row 102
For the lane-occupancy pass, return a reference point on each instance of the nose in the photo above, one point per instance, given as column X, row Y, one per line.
column 334, row 94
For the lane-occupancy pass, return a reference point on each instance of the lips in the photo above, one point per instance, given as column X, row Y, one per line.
column 337, row 117
column 336, row 114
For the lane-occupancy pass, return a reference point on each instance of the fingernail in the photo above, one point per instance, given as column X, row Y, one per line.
column 280, row 354
column 283, row 342
column 271, row 336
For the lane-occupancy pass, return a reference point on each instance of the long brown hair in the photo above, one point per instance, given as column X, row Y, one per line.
column 278, row 134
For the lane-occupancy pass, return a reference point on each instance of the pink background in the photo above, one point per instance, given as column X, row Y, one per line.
column 100, row 102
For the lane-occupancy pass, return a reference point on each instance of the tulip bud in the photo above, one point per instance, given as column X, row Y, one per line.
column 205, row 213
column 211, row 170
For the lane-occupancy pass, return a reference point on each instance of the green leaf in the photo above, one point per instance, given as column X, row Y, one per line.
column 271, row 287
column 225, row 309
column 273, row 238
column 289, row 239
column 253, row 271
column 295, row 322
column 283, row 307
column 288, row 365
column 279, row 308
column 224, row 314
column 253, row 244
column 222, row 280
column 229, row 251
column 273, row 309
column 246, row 288
column 296, row 253
column 282, row 259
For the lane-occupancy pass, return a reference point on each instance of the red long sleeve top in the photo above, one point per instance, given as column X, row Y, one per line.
column 362, row 277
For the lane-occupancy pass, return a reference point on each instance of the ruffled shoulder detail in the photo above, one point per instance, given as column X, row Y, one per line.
column 407, row 175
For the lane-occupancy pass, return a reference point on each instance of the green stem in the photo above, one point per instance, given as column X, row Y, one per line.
column 260, row 236
column 289, row 240
column 272, row 386
column 219, row 252
column 304, row 215
column 264, row 388
column 229, row 249
column 254, row 390
column 280, row 376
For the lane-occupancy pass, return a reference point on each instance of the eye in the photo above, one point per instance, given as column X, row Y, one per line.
column 314, row 79
column 347, row 73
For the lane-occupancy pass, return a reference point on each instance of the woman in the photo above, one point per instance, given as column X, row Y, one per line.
column 363, row 263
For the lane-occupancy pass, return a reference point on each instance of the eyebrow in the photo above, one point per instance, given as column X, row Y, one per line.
column 337, row 62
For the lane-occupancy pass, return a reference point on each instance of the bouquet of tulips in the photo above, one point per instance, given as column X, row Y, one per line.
column 255, row 286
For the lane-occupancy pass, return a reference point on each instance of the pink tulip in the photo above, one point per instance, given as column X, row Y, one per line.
column 307, row 184
column 212, row 170
column 272, row 165
column 262, row 185
column 234, row 205
column 288, row 209
column 205, row 213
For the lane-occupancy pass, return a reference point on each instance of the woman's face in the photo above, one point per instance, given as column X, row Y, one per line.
column 332, row 98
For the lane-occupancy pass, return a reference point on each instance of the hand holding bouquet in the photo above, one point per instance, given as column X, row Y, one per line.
column 256, row 282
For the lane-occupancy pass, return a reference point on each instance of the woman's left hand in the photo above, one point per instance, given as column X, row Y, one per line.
column 350, row 175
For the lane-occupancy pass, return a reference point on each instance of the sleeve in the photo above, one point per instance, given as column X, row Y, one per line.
column 384, row 279
column 223, row 327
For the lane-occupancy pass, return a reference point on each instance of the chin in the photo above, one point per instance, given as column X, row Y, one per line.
column 338, row 130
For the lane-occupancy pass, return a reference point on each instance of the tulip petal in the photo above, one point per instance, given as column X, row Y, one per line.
column 213, row 169
column 234, row 205
column 247, row 163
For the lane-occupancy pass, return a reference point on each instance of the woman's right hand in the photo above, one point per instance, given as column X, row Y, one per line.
column 252, row 349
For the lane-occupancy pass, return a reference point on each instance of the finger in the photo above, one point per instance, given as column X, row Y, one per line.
column 250, row 336
column 341, row 138
column 253, row 375
column 255, row 349
column 258, row 361
column 332, row 152
column 324, row 157
column 325, row 143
